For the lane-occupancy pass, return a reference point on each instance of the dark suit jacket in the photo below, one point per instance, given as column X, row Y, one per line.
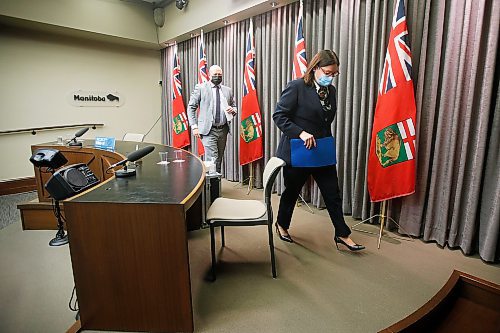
column 299, row 109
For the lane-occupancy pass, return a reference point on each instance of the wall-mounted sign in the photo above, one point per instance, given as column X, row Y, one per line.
column 95, row 98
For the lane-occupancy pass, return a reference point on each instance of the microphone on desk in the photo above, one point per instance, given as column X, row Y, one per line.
column 78, row 134
column 132, row 157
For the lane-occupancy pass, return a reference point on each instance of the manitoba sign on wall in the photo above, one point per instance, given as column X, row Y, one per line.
column 95, row 98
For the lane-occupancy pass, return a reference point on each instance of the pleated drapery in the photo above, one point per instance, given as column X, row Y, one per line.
column 455, row 72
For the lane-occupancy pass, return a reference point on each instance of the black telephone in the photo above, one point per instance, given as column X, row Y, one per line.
column 70, row 180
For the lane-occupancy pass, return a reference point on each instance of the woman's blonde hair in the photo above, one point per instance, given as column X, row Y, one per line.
column 321, row 59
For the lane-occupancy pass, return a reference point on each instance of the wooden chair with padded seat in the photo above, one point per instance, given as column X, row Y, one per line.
column 234, row 212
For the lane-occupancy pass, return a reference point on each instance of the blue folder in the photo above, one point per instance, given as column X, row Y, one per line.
column 322, row 155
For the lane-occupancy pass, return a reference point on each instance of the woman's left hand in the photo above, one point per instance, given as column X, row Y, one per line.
column 308, row 139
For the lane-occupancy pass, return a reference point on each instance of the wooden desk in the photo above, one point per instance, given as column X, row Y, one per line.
column 128, row 246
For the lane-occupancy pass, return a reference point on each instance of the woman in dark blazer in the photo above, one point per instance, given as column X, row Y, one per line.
column 306, row 110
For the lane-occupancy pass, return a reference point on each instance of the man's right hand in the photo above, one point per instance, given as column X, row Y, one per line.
column 196, row 133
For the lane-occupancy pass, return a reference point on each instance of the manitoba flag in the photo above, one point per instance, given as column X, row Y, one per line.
column 202, row 77
column 299, row 54
column 391, row 160
column 180, row 132
column 251, row 125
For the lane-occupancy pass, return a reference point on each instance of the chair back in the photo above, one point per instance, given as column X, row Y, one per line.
column 271, row 170
column 137, row 137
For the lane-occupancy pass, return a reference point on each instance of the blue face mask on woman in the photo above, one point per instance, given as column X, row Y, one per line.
column 325, row 80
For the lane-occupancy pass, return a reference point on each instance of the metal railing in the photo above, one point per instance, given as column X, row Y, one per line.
column 34, row 130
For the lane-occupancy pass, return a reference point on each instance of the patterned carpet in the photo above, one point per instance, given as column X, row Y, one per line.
column 318, row 289
column 8, row 207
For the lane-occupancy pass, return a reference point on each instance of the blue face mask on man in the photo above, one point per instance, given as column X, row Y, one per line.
column 325, row 80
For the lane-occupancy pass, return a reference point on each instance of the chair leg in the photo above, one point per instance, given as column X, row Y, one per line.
column 271, row 248
column 212, row 248
column 223, row 237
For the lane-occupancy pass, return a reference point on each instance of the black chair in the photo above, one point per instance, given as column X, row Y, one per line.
column 234, row 212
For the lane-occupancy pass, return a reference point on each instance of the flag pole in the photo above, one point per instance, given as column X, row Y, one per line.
column 382, row 221
column 250, row 178
column 301, row 198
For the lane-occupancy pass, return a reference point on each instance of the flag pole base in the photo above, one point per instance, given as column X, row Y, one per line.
column 381, row 230
column 250, row 180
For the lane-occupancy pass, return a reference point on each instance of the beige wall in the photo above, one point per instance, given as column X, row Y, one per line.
column 52, row 47
column 37, row 74
column 112, row 18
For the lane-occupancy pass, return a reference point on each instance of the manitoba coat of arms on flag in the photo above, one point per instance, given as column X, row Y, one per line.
column 251, row 128
column 394, row 143
column 180, row 123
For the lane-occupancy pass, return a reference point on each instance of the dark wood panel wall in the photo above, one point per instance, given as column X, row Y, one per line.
column 19, row 185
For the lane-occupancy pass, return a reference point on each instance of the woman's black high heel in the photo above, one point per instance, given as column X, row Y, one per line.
column 285, row 238
column 355, row 247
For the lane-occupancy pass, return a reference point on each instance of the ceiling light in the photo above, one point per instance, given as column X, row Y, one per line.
column 274, row 4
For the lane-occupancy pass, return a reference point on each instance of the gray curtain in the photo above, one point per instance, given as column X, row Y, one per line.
column 457, row 196
column 455, row 72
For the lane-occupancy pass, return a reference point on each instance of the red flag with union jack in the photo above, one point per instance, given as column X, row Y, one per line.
column 202, row 77
column 391, row 160
column 251, row 121
column 180, row 133
column 299, row 54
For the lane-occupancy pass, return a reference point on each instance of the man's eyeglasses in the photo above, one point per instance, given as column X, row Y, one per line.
column 330, row 73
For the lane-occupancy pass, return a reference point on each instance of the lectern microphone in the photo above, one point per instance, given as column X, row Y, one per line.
column 78, row 134
column 140, row 153
column 132, row 157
